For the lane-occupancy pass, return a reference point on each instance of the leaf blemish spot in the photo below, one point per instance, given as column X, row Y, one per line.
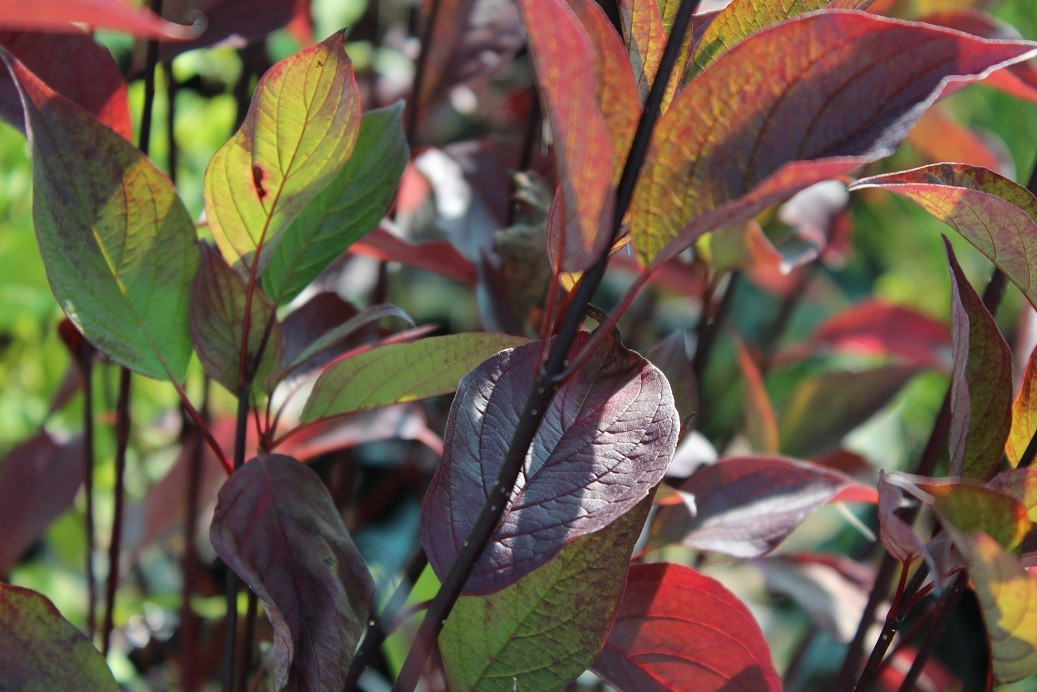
column 257, row 181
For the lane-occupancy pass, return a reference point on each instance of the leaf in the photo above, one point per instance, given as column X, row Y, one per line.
column 277, row 527
column 678, row 629
column 990, row 211
column 437, row 256
column 605, row 441
column 840, row 89
column 38, row 481
column 219, row 303
column 117, row 15
column 117, row 242
column 498, row 641
column 568, row 77
column 41, row 650
column 236, row 23
column 1020, row 484
column 1007, row 594
column 671, row 356
column 73, row 65
column 939, row 137
column 299, row 131
column 761, row 425
column 400, row 372
column 347, row 209
column 981, row 382
column 733, row 494
column 1024, row 413
column 645, row 33
column 823, row 408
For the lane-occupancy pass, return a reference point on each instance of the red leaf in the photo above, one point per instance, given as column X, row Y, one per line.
column 645, row 36
column 680, row 630
column 981, row 382
column 38, row 482
column 117, row 15
column 605, row 442
column 565, row 65
column 73, row 65
column 939, row 137
column 435, row 256
column 840, row 89
column 733, row 494
column 277, row 527
column 761, row 425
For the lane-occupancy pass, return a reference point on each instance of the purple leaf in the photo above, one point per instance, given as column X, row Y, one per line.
column 277, row 527
column 605, row 442
column 981, row 382
column 38, row 481
column 748, row 505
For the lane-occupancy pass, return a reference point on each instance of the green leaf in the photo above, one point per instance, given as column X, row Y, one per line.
column 118, row 244
column 981, row 382
column 299, row 132
column 219, row 303
column 347, row 209
column 990, row 211
column 40, row 650
column 496, row 642
column 401, row 372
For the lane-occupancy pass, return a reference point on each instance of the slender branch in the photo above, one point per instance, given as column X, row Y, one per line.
column 545, row 384
column 231, row 592
column 245, row 659
column 87, row 370
column 709, row 326
column 174, row 153
column 122, row 440
column 943, row 613
column 420, row 71
column 189, row 563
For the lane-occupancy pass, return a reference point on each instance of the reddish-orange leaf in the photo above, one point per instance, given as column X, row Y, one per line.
column 63, row 15
column 761, row 425
column 839, row 89
column 645, row 36
column 939, row 137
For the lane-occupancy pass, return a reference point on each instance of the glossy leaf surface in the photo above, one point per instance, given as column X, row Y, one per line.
column 75, row 66
column 401, row 372
column 981, row 382
column 277, row 527
column 732, row 495
column 348, row 208
column 605, row 442
column 300, row 130
column 993, row 213
column 494, row 641
column 678, row 629
column 41, row 650
column 841, row 89
column 219, row 302
column 38, row 481
column 1024, row 413
column 117, row 242
column 567, row 74
column 117, row 15
column 1007, row 594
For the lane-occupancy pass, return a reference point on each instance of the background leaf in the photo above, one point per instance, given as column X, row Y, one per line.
column 679, row 629
column 605, row 442
column 300, row 130
column 1024, row 413
column 117, row 15
column 41, row 650
column 117, row 242
column 494, row 642
column 733, row 494
column 348, row 208
column 990, row 211
column 277, row 527
column 841, row 89
column 401, row 372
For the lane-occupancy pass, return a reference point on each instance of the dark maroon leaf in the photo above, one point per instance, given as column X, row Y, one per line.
column 277, row 527
column 38, row 482
column 318, row 315
column 605, row 442
column 747, row 505
column 217, row 321
column 671, row 356
column 681, row 630
column 981, row 382
column 75, row 66
column 234, row 23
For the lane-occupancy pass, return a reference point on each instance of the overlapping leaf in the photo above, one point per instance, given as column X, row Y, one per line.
column 733, row 494
column 277, row 527
column 761, row 425
column 401, row 372
column 568, row 77
column 1024, row 413
column 495, row 641
column 219, row 305
column 438, row 256
column 645, row 34
column 1020, row 484
column 236, row 23
column 605, row 442
column 117, row 15
column 349, row 207
column 300, row 130
column 117, row 242
column 681, row 630
column 41, row 650
column 840, row 89
column 981, row 382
